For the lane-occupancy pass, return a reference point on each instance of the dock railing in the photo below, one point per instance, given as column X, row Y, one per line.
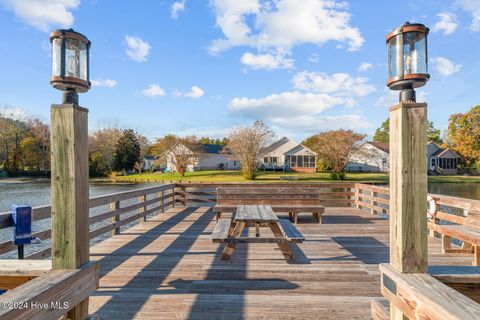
column 25, row 280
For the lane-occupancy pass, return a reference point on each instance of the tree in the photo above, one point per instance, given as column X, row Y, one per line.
column 246, row 144
column 382, row 134
column 207, row 140
column 335, row 149
column 102, row 144
column 127, row 150
column 182, row 151
column 464, row 135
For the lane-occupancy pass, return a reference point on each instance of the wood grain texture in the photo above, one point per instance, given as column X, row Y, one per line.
column 421, row 296
column 168, row 268
column 408, row 188
column 69, row 150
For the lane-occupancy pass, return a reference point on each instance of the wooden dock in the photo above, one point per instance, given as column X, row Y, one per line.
column 168, row 268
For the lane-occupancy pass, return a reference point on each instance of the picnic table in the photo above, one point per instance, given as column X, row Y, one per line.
column 230, row 230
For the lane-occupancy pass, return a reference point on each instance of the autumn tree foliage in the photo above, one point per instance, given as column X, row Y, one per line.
column 24, row 143
column 246, row 144
column 101, row 144
column 464, row 135
column 335, row 148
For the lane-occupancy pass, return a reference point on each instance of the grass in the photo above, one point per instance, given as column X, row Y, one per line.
column 235, row 176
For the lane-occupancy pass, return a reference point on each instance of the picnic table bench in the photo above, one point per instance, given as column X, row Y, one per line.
column 285, row 198
column 463, row 228
column 229, row 230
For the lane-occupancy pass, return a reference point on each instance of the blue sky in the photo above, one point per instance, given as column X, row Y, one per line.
column 203, row 67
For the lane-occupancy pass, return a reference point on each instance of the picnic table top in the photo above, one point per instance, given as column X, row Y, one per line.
column 255, row 213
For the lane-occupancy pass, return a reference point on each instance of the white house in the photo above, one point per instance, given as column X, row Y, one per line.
column 210, row 157
column 285, row 154
column 374, row 157
column 442, row 160
column 370, row 157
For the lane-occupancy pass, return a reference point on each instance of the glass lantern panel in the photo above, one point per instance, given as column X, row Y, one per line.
column 72, row 58
column 56, row 57
column 392, row 57
column 83, row 62
column 414, row 53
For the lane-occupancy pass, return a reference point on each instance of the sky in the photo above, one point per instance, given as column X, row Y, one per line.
column 205, row 67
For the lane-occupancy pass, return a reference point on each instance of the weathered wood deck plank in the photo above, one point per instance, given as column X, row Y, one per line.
column 168, row 268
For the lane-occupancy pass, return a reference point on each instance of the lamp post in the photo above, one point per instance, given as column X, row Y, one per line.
column 407, row 70
column 407, row 59
column 69, row 156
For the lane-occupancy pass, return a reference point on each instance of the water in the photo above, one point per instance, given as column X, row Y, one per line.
column 37, row 192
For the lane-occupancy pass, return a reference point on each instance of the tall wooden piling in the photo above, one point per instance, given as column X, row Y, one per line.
column 69, row 150
column 408, row 190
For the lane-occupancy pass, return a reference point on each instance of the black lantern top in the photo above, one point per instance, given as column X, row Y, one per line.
column 407, row 57
column 70, row 61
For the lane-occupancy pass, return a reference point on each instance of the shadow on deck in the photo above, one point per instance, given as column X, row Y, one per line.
column 168, row 268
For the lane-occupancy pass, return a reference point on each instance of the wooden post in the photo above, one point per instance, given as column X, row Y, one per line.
column 373, row 202
column 69, row 182
column 163, row 201
column 142, row 209
column 408, row 190
column 183, row 190
column 116, row 218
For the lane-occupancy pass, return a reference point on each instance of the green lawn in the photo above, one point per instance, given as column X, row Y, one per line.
column 235, row 176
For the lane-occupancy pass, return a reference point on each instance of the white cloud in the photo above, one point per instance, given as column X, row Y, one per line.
column 109, row 83
column 177, row 7
column 365, row 66
column 340, row 84
column 44, row 14
column 278, row 26
column 444, row 66
column 14, row 113
column 266, row 61
column 195, row 93
column 473, row 8
column 153, row 90
column 314, row 58
column 137, row 49
column 285, row 104
column 447, row 23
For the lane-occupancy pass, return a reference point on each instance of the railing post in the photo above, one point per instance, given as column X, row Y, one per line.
column 143, row 209
column 373, row 202
column 116, row 218
column 173, row 196
column 184, row 197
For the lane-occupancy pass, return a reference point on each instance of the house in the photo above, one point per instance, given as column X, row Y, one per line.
column 205, row 156
column 370, row 157
column 442, row 161
column 148, row 163
column 374, row 157
column 285, row 154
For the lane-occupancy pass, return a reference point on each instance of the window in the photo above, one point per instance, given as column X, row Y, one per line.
column 234, row 163
column 312, row 161
column 287, row 160
column 273, row 159
column 300, row 161
column 265, row 160
column 294, row 161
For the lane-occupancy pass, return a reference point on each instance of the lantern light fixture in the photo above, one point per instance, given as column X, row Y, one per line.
column 407, row 59
column 70, row 63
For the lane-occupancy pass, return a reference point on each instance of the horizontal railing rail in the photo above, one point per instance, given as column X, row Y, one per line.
column 123, row 208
